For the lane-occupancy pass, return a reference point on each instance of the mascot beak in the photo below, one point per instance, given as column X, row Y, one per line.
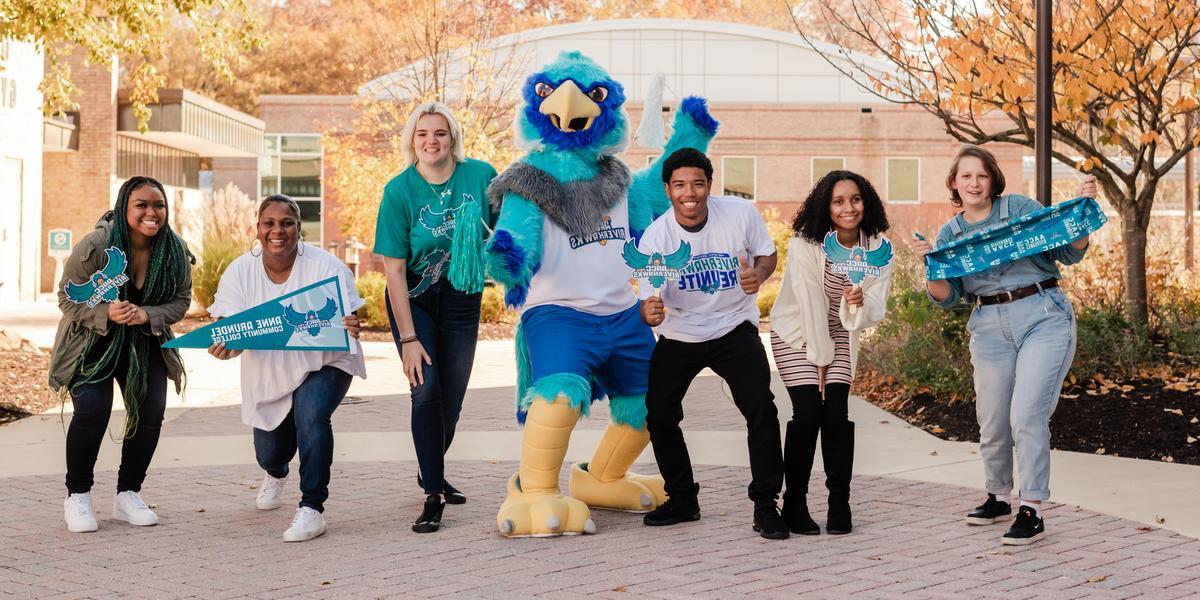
column 569, row 108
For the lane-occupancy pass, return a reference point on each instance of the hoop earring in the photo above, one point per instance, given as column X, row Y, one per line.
column 256, row 245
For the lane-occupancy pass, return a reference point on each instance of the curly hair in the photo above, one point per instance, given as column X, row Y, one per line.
column 813, row 220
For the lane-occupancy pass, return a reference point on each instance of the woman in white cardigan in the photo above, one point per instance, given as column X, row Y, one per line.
column 814, row 336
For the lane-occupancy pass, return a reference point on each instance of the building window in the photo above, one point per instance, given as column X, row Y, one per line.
column 737, row 176
column 821, row 166
column 903, row 180
column 292, row 165
column 169, row 166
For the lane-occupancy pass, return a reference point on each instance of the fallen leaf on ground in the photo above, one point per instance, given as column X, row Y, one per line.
column 1191, row 440
column 1194, row 421
column 199, row 510
column 1174, row 410
column 1145, row 529
column 1097, row 578
column 1099, row 450
column 1127, row 388
column 934, row 453
column 936, row 429
column 1160, row 520
column 620, row 588
column 1168, row 459
column 326, row 581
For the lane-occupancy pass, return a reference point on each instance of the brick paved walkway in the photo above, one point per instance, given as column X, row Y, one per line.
column 909, row 542
column 488, row 409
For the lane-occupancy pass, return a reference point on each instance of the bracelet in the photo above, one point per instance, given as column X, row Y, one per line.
column 408, row 340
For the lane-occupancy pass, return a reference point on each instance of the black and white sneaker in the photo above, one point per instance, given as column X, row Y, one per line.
column 1027, row 529
column 989, row 512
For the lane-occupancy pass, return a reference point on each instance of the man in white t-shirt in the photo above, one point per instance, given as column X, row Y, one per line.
column 712, row 322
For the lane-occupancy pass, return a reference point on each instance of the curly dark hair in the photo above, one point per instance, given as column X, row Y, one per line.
column 812, row 221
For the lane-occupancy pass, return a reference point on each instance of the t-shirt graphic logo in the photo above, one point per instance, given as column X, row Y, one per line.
column 440, row 224
column 430, row 268
column 602, row 235
column 312, row 321
column 710, row 273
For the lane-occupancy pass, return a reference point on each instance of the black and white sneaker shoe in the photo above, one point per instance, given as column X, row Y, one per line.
column 989, row 512
column 1027, row 529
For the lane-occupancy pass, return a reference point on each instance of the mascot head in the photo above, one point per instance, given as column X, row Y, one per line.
column 572, row 104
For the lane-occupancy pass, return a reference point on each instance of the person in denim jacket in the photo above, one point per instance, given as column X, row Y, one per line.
column 1022, row 341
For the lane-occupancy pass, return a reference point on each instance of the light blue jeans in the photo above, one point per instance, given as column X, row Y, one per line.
column 1021, row 351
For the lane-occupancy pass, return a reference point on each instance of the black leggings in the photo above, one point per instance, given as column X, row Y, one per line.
column 93, row 407
column 808, row 406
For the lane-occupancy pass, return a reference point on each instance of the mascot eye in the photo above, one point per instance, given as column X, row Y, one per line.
column 598, row 94
column 543, row 90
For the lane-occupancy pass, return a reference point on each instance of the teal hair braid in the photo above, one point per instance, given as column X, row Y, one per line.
column 164, row 275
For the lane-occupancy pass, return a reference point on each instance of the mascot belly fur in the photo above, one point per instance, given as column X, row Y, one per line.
column 567, row 209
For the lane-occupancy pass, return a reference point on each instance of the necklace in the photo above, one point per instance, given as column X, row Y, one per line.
column 446, row 192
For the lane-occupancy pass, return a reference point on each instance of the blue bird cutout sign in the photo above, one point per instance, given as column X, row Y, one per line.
column 655, row 267
column 307, row 319
column 104, row 285
column 856, row 262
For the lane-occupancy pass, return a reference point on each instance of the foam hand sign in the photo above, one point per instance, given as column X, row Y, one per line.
column 856, row 262
column 104, row 285
column 655, row 267
column 306, row 319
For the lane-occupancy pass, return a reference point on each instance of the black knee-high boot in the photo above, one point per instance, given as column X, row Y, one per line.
column 799, row 447
column 837, row 450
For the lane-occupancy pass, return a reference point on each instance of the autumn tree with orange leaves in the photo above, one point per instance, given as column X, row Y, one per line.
column 1125, row 81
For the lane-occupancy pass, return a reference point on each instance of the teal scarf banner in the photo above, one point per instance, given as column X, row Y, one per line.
column 1044, row 229
column 306, row 319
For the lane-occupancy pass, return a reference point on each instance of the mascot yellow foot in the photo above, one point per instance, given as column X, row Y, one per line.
column 606, row 481
column 535, row 507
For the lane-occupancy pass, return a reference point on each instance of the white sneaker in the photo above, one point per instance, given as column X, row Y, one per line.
column 128, row 507
column 306, row 525
column 269, row 492
column 77, row 510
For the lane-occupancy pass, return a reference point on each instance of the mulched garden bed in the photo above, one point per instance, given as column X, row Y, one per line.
column 1155, row 418
column 26, row 391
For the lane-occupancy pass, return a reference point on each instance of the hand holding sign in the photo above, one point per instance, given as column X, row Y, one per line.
column 856, row 262
column 653, row 311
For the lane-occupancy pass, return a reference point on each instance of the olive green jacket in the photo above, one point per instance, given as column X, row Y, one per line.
column 78, row 320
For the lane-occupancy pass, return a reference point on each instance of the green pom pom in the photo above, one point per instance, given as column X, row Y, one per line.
column 466, row 250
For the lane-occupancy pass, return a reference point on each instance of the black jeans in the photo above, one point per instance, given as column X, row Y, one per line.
column 309, row 429
column 93, row 407
column 447, row 325
column 738, row 357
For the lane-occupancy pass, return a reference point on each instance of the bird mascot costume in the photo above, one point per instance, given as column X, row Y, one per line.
column 567, row 209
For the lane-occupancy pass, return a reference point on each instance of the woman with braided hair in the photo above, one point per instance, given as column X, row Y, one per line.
column 120, row 340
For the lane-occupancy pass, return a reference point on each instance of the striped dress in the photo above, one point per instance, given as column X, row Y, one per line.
column 793, row 364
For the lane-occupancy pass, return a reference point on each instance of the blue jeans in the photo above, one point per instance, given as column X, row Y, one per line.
column 447, row 325
column 307, row 428
column 1021, row 351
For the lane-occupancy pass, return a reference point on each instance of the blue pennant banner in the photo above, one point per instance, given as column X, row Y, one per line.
column 1041, row 230
column 306, row 319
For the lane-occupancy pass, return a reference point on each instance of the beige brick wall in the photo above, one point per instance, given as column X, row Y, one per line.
column 78, row 186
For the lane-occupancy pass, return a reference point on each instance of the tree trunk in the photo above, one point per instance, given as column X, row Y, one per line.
column 1133, row 237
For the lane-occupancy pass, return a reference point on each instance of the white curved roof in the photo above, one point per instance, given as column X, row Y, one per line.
column 725, row 62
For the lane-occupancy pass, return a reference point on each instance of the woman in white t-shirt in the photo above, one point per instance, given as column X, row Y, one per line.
column 289, row 396
column 814, row 338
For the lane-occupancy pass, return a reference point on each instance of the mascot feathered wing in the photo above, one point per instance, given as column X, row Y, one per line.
column 570, row 185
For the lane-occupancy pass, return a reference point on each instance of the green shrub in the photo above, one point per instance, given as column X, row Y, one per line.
column 215, row 256
column 922, row 346
column 372, row 288
column 766, row 297
column 492, row 309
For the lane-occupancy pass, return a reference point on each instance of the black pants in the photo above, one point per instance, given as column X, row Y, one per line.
column 809, row 408
column 738, row 357
column 93, row 407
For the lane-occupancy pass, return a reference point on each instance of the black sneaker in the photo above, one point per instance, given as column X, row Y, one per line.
column 989, row 512
column 768, row 522
column 431, row 515
column 453, row 496
column 673, row 511
column 1027, row 529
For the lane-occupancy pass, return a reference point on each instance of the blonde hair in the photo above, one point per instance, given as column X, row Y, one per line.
column 410, row 129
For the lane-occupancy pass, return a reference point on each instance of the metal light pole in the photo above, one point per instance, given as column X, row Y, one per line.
column 1189, row 199
column 1043, row 110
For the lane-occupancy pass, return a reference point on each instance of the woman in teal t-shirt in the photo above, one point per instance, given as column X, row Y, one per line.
column 434, row 323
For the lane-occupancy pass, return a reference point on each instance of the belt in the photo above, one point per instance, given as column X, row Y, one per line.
column 1017, row 294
